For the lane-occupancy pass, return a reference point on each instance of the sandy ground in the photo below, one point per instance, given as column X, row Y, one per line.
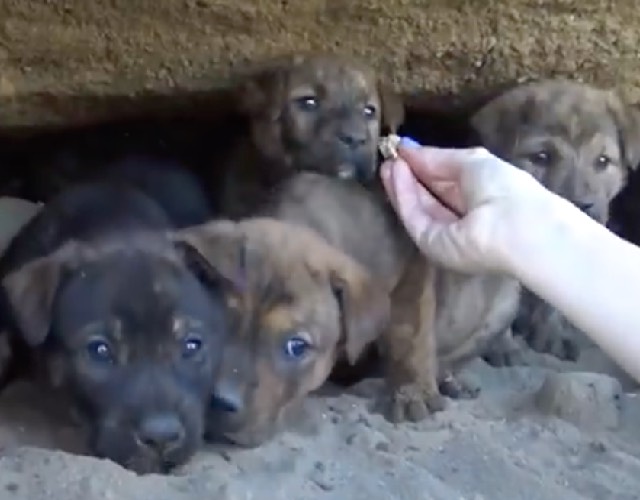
column 547, row 431
column 62, row 62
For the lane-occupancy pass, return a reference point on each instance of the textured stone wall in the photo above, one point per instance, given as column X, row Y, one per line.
column 62, row 61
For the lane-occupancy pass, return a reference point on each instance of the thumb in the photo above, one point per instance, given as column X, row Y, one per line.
column 433, row 164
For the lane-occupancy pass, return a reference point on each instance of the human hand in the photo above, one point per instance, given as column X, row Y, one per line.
column 475, row 203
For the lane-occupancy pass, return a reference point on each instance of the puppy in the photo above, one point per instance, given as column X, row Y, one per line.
column 321, row 113
column 578, row 141
column 296, row 305
column 440, row 319
column 126, row 322
column 332, row 264
column 168, row 182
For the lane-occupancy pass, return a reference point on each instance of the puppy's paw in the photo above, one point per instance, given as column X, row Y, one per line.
column 413, row 403
column 561, row 346
column 505, row 357
column 455, row 388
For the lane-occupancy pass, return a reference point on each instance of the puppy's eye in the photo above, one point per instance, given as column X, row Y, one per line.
column 602, row 162
column 542, row 158
column 191, row 346
column 99, row 351
column 370, row 112
column 296, row 347
column 307, row 103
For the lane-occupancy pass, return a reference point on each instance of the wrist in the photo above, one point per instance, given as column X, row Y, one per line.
column 547, row 229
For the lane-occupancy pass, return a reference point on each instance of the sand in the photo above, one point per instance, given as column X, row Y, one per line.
column 575, row 439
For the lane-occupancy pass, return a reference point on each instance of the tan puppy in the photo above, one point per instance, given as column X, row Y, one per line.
column 439, row 319
column 296, row 304
column 321, row 113
column 578, row 141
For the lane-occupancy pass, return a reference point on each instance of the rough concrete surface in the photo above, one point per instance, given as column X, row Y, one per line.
column 61, row 59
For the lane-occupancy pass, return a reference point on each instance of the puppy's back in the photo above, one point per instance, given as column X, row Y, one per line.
column 170, row 184
column 87, row 212
column 349, row 216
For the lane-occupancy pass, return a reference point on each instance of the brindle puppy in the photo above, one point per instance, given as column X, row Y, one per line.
column 297, row 305
column 578, row 141
column 321, row 113
column 119, row 318
column 260, row 373
column 440, row 319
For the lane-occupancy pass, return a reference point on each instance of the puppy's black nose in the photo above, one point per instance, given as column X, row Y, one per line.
column 228, row 401
column 586, row 207
column 161, row 432
column 352, row 139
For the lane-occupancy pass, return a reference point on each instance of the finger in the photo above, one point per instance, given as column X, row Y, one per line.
column 430, row 164
column 385, row 174
column 405, row 188
column 449, row 193
column 409, row 202
column 437, row 210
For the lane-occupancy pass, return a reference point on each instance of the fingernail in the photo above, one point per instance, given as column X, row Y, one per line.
column 385, row 170
column 407, row 142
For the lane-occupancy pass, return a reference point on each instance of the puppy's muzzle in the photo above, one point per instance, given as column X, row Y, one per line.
column 162, row 433
column 591, row 210
column 227, row 398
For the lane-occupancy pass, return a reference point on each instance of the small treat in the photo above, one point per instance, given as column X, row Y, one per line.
column 389, row 146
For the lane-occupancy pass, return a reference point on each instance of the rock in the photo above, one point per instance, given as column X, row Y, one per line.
column 587, row 400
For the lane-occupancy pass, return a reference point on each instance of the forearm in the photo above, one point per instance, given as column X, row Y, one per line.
column 588, row 273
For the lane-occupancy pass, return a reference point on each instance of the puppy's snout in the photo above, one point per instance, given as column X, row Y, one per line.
column 353, row 139
column 586, row 207
column 161, row 432
column 227, row 399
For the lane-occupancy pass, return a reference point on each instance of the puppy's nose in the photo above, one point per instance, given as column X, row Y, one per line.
column 161, row 432
column 226, row 400
column 586, row 207
column 352, row 139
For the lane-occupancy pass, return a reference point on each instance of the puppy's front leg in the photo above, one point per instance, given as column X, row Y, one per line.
column 409, row 346
column 505, row 351
column 547, row 331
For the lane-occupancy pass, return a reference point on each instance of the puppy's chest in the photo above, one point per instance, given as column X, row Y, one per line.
column 471, row 305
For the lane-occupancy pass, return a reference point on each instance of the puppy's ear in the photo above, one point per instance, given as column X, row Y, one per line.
column 215, row 251
column 491, row 124
column 30, row 292
column 627, row 119
column 365, row 307
column 261, row 92
column 392, row 108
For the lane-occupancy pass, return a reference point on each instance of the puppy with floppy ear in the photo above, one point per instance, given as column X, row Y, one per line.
column 321, row 113
column 31, row 291
column 439, row 319
column 298, row 305
column 114, row 315
column 580, row 142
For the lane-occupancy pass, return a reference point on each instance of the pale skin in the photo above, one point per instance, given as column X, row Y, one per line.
column 488, row 215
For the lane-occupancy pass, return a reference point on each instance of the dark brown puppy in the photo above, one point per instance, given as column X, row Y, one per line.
column 120, row 318
column 321, row 113
column 296, row 306
column 578, row 141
